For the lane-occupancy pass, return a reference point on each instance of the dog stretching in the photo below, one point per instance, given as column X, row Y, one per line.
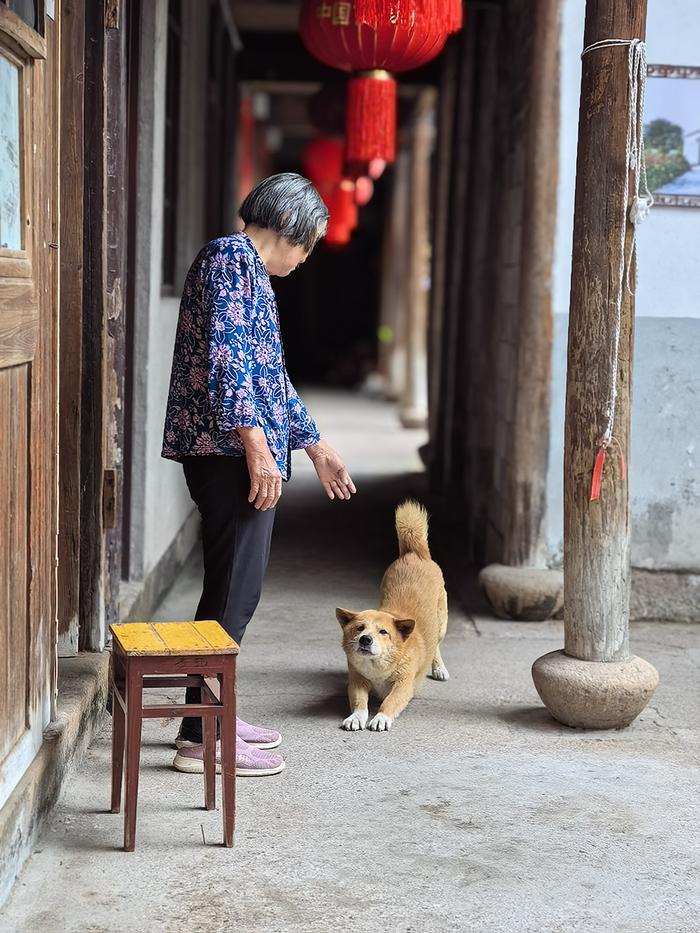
column 391, row 649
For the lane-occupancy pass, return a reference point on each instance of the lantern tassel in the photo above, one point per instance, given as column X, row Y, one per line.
column 371, row 118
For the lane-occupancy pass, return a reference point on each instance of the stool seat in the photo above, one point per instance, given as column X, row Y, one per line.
column 172, row 638
column 159, row 655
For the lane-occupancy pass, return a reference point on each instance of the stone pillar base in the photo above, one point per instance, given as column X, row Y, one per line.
column 594, row 694
column 416, row 417
column 526, row 594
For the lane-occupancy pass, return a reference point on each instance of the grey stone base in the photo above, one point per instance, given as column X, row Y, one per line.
column 594, row 694
column 82, row 693
column 413, row 418
column 662, row 594
column 525, row 594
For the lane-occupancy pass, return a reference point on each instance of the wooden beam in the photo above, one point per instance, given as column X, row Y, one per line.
column 254, row 16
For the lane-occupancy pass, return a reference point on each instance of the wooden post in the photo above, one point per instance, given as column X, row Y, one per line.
column 414, row 404
column 72, row 15
column 91, row 610
column 440, row 233
column 101, row 424
column 594, row 682
column 524, row 535
column 115, row 239
column 392, row 314
column 522, row 588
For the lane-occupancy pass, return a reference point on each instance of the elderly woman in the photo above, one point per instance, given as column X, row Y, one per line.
column 233, row 417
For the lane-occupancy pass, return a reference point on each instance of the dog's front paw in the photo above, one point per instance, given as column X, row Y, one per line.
column 439, row 672
column 356, row 720
column 381, row 723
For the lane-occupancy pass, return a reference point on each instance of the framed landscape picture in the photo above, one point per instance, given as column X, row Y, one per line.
column 672, row 134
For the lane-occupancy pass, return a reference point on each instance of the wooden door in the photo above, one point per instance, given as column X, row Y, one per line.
column 28, row 265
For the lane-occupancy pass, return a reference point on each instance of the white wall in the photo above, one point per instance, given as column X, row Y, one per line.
column 664, row 476
column 161, row 504
column 669, row 240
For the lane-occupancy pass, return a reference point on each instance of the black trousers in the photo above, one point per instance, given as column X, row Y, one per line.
column 236, row 547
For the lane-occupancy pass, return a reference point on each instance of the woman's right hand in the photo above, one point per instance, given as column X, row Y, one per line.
column 265, row 477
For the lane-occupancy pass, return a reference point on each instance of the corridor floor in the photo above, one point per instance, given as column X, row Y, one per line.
column 477, row 812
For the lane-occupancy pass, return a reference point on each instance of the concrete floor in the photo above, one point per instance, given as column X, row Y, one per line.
column 477, row 812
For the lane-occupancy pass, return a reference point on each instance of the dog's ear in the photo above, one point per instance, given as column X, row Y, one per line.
column 344, row 616
column 405, row 627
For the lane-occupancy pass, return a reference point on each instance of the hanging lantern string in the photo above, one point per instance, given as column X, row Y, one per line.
column 642, row 202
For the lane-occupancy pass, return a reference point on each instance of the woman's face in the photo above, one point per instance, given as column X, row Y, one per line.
column 286, row 257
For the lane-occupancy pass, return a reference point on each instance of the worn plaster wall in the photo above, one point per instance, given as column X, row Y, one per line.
column 162, row 511
column 664, row 475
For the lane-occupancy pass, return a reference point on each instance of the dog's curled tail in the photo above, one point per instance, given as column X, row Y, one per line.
column 412, row 529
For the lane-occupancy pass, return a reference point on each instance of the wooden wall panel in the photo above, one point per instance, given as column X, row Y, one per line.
column 14, row 554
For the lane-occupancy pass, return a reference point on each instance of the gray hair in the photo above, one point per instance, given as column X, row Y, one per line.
column 290, row 205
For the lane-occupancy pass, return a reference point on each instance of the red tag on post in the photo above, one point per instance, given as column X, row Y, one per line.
column 598, row 474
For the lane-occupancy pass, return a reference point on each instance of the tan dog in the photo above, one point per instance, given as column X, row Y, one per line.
column 391, row 649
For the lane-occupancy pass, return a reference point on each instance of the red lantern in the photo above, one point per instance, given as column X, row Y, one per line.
column 364, row 189
column 342, row 214
column 376, row 168
column 323, row 165
column 374, row 37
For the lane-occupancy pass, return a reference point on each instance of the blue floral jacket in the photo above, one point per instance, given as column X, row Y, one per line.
column 228, row 365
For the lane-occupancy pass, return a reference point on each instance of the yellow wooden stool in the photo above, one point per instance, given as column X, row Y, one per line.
column 173, row 654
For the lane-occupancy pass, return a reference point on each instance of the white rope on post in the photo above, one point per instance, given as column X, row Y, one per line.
column 639, row 208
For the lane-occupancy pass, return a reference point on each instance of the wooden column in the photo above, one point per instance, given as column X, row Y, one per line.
column 392, row 314
column 414, row 404
column 72, row 15
column 524, row 535
column 104, row 260
column 445, row 389
column 441, row 233
column 92, row 376
column 594, row 682
column 522, row 587
column 115, row 252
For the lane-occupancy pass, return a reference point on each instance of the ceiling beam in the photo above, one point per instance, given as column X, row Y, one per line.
column 275, row 16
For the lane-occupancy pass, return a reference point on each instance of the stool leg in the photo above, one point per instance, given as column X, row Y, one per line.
column 228, row 748
column 134, row 700
column 117, row 744
column 209, row 738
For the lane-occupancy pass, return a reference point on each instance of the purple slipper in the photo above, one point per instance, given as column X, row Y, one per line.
column 250, row 762
column 256, row 736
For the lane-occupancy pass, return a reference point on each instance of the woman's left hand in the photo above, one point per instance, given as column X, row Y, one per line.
column 331, row 470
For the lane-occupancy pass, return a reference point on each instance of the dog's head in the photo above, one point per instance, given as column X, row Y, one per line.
column 371, row 634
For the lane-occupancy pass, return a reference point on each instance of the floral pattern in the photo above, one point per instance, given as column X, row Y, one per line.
column 228, row 365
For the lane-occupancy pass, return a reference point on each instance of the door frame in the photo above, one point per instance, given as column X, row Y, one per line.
column 29, row 336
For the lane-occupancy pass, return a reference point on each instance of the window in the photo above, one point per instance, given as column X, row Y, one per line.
column 172, row 135
column 10, row 174
column 27, row 10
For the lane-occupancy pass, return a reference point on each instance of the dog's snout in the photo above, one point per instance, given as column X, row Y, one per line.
column 365, row 640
